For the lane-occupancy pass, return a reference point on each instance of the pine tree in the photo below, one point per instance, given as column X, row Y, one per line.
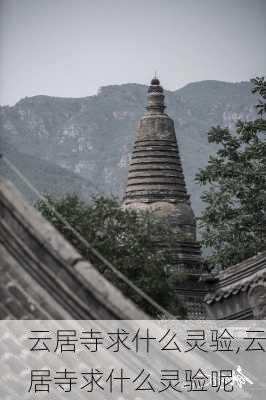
column 233, row 223
column 127, row 239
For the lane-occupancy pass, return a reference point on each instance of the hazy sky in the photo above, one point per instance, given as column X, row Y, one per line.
column 72, row 47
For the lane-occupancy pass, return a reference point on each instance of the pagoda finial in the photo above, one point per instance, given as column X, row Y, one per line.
column 155, row 96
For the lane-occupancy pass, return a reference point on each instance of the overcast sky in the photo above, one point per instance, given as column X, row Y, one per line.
column 72, row 47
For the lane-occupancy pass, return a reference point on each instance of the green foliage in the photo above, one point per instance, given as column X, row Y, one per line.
column 234, row 221
column 125, row 238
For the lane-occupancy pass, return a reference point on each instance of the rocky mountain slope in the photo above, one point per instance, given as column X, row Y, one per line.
column 44, row 176
column 90, row 138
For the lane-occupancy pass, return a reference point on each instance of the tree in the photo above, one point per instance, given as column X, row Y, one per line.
column 233, row 223
column 127, row 239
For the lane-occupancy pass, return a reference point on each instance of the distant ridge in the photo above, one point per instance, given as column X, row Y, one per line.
column 91, row 137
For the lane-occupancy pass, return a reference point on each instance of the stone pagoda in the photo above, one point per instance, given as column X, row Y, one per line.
column 156, row 183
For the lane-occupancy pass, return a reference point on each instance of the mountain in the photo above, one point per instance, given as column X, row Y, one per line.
column 93, row 136
column 44, row 176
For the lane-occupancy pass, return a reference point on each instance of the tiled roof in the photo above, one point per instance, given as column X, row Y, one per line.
column 239, row 278
column 43, row 276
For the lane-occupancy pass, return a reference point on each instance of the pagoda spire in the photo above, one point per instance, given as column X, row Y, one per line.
column 155, row 97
